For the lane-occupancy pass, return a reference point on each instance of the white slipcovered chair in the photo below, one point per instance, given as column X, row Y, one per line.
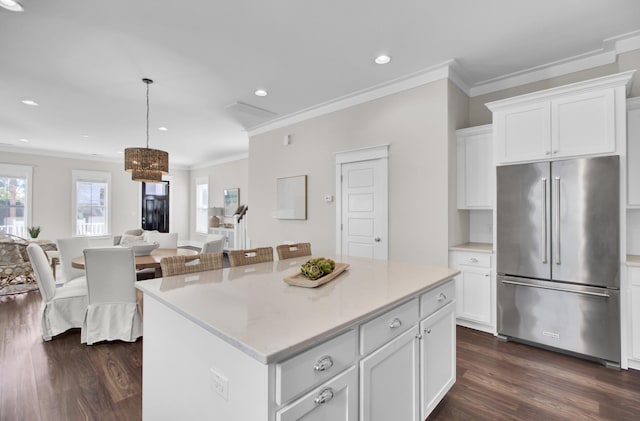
column 214, row 244
column 167, row 240
column 62, row 308
column 68, row 249
column 112, row 312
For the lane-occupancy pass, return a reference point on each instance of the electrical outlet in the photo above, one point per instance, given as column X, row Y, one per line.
column 220, row 384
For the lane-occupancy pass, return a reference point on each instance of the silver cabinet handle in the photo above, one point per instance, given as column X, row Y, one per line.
column 395, row 323
column 427, row 330
column 547, row 152
column 442, row 296
column 323, row 363
column 324, row 396
column 377, row 239
column 473, row 260
column 543, row 233
column 556, row 249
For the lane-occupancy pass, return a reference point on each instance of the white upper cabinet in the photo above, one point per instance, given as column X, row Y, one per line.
column 476, row 184
column 633, row 152
column 583, row 118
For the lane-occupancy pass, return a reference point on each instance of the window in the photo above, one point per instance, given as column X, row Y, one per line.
column 91, row 209
column 15, row 199
column 202, row 204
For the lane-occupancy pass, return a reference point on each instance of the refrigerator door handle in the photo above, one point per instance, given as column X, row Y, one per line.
column 526, row 284
column 543, row 231
column 556, row 247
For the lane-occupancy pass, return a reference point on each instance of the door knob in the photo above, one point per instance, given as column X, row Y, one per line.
column 377, row 239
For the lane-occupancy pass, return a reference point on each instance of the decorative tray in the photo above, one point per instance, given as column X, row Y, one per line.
column 300, row 281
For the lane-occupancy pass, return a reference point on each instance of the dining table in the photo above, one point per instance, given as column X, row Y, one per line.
column 150, row 261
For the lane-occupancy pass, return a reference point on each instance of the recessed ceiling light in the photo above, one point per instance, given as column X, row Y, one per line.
column 12, row 5
column 24, row 140
column 120, row 152
column 382, row 59
column 261, row 92
column 163, row 129
column 29, row 101
column 85, row 136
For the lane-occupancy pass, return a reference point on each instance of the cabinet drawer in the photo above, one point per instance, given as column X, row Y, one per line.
column 387, row 326
column 335, row 400
column 472, row 259
column 437, row 298
column 312, row 367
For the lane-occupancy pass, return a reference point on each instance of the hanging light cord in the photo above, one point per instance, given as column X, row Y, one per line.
column 148, row 82
column 147, row 113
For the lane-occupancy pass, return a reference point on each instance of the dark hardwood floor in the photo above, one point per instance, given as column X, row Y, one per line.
column 64, row 380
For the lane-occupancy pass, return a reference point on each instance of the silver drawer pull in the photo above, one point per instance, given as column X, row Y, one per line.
column 323, row 363
column 473, row 260
column 324, row 396
column 427, row 330
column 395, row 323
column 442, row 297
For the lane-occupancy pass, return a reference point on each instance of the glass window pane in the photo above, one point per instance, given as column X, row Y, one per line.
column 13, row 191
column 91, row 211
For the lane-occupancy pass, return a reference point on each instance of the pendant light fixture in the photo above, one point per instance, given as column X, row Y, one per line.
column 146, row 164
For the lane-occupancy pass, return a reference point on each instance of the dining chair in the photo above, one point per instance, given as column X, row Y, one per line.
column 177, row 265
column 112, row 312
column 63, row 308
column 214, row 244
column 70, row 248
column 287, row 251
column 250, row 256
column 167, row 240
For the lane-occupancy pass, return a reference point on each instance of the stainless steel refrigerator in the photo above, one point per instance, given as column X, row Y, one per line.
column 558, row 255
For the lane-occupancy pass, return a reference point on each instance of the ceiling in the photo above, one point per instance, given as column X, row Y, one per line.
column 83, row 61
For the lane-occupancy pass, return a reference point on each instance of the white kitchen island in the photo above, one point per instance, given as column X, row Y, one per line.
column 376, row 343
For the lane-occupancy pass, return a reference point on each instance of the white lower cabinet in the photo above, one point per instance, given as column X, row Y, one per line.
column 634, row 286
column 437, row 357
column 389, row 380
column 335, row 400
column 407, row 377
column 475, row 291
column 406, row 363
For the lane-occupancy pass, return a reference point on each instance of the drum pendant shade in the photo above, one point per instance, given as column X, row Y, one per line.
column 146, row 164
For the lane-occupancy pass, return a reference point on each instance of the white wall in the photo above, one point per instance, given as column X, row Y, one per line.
column 227, row 175
column 52, row 199
column 414, row 123
column 459, row 223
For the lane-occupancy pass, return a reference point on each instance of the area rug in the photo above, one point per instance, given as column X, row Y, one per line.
column 18, row 288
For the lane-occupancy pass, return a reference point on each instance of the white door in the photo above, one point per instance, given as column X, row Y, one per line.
column 364, row 209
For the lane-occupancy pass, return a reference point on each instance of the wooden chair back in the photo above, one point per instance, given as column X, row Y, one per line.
column 177, row 265
column 250, row 256
column 287, row 251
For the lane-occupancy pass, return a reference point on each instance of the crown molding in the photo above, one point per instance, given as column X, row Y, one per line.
column 607, row 54
column 71, row 155
column 220, row 161
column 431, row 74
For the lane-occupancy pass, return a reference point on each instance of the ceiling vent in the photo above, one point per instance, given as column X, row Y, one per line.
column 249, row 115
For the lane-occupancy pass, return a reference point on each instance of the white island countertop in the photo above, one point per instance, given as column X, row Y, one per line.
column 253, row 309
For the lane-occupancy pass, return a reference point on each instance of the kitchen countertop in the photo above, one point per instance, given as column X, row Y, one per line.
column 477, row 247
column 253, row 309
column 633, row 260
